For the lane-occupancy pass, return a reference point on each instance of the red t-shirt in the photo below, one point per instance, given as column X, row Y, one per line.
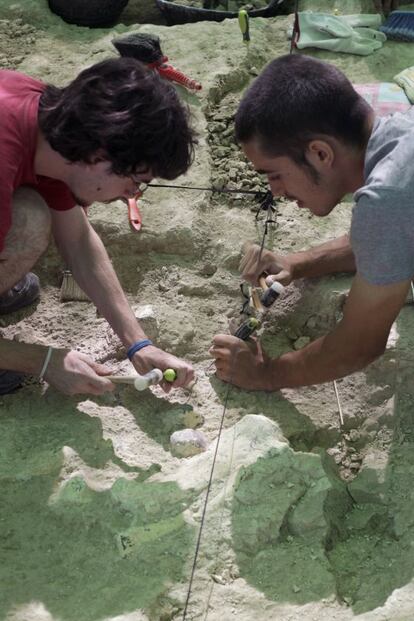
column 19, row 102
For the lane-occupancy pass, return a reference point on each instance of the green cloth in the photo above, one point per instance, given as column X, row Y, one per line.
column 352, row 34
column 405, row 79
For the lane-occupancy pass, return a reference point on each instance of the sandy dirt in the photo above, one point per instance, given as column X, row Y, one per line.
column 306, row 518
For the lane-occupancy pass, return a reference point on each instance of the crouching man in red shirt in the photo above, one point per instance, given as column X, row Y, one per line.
column 116, row 126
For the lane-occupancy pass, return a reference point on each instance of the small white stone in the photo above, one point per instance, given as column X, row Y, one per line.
column 187, row 442
column 148, row 320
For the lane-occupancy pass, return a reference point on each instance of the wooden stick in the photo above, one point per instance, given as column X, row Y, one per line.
column 121, row 379
column 256, row 301
column 262, row 283
column 338, row 402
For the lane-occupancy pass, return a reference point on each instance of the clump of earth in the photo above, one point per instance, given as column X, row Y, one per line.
column 17, row 39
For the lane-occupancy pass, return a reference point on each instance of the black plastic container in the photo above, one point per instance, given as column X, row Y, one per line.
column 90, row 13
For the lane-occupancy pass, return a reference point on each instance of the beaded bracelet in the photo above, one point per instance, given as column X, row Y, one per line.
column 137, row 346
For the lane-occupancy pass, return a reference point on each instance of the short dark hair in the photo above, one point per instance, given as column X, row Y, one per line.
column 297, row 99
column 125, row 109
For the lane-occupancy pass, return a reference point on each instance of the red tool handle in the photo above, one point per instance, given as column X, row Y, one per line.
column 171, row 73
column 134, row 215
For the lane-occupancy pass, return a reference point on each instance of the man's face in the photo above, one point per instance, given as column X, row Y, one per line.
column 288, row 179
column 95, row 182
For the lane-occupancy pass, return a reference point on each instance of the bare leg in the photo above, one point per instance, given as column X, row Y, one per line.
column 27, row 239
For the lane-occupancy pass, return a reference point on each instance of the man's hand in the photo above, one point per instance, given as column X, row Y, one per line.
column 242, row 363
column 151, row 357
column 385, row 6
column 276, row 266
column 71, row 372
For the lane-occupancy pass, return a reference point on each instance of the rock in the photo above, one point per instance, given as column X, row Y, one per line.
column 291, row 333
column 302, row 341
column 217, row 127
column 219, row 182
column 192, row 419
column 208, row 269
column 163, row 287
column 371, row 484
column 312, row 322
column 148, row 320
column 221, row 152
column 187, row 442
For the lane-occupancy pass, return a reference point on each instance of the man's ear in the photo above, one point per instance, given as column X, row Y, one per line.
column 321, row 154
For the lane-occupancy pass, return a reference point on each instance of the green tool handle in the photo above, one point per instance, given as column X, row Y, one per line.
column 244, row 25
column 247, row 328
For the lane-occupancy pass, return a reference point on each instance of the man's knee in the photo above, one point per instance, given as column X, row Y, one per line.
column 31, row 223
column 33, row 212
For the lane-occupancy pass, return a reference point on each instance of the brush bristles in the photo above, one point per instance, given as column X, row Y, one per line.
column 399, row 26
column 70, row 290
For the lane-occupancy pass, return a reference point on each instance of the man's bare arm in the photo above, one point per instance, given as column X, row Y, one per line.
column 86, row 255
column 358, row 339
column 328, row 258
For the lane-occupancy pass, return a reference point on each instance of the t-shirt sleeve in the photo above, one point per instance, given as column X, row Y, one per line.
column 7, row 172
column 5, row 215
column 382, row 235
column 56, row 194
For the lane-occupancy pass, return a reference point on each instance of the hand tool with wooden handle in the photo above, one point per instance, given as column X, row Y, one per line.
column 141, row 382
column 270, row 294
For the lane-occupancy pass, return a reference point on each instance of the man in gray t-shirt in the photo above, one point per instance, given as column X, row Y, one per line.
column 382, row 230
column 302, row 124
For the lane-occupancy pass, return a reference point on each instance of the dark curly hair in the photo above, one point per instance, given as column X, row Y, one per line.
column 126, row 110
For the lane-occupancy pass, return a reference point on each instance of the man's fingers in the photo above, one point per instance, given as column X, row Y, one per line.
column 101, row 386
column 166, row 386
column 249, row 258
column 271, row 279
column 219, row 354
column 100, row 369
column 184, row 377
column 224, row 340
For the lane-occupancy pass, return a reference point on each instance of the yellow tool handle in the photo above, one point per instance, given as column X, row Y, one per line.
column 262, row 283
column 244, row 25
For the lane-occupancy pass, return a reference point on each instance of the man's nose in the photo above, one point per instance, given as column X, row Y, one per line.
column 276, row 187
column 131, row 190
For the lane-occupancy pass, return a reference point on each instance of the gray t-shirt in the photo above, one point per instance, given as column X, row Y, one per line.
column 382, row 227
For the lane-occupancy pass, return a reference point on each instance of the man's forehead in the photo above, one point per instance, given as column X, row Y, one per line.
column 263, row 163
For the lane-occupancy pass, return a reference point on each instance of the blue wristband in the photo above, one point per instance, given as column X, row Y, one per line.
column 137, row 346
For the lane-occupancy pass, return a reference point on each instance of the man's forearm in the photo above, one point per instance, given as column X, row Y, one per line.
column 329, row 258
column 17, row 356
column 321, row 361
column 94, row 273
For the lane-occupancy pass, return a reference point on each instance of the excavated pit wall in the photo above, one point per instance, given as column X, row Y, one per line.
column 98, row 518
